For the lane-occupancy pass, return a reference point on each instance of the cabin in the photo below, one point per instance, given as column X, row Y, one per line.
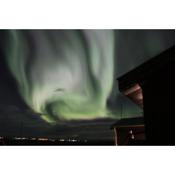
column 152, row 87
column 129, row 131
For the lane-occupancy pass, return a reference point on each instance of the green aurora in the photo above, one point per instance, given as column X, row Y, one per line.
column 63, row 74
column 71, row 74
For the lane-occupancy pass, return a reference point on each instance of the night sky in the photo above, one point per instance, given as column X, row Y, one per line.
column 62, row 83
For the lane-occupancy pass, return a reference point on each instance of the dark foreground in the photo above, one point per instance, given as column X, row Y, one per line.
column 45, row 142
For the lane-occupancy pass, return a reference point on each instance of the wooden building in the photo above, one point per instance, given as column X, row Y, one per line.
column 152, row 87
column 129, row 131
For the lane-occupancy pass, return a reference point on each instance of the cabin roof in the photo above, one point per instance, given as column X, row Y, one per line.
column 145, row 70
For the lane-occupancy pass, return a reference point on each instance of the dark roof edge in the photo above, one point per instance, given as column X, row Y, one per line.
column 148, row 67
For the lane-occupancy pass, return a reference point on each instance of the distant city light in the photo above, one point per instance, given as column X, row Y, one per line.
column 62, row 140
column 42, row 139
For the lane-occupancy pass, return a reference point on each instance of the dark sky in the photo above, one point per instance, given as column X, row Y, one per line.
column 132, row 47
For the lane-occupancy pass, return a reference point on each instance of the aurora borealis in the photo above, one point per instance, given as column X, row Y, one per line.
column 71, row 74
column 63, row 74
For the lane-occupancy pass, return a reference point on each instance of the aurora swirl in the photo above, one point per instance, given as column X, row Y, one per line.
column 63, row 74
